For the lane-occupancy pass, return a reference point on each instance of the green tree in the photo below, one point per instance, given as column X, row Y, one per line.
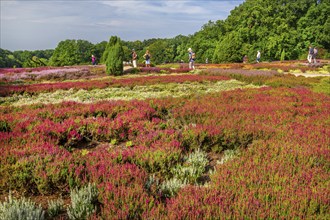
column 71, row 52
column 115, row 56
column 7, row 59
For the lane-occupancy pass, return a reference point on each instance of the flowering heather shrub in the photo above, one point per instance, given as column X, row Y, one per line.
column 281, row 172
column 164, row 70
column 245, row 72
column 180, row 70
column 8, row 90
column 22, row 70
column 125, row 93
column 287, row 66
column 270, row 78
column 49, row 73
column 284, row 66
column 153, row 69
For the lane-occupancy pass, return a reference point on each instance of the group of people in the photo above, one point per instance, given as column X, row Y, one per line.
column 246, row 59
column 147, row 57
column 312, row 53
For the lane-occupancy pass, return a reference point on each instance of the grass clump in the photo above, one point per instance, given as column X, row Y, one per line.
column 323, row 86
column 187, row 173
column 83, row 202
column 22, row 209
column 55, row 207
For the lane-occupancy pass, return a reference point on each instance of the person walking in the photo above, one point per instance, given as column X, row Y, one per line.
column 258, row 56
column 191, row 59
column 147, row 57
column 310, row 54
column 93, row 60
column 134, row 58
column 245, row 59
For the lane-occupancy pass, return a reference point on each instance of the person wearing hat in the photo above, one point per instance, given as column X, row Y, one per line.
column 134, row 58
column 191, row 59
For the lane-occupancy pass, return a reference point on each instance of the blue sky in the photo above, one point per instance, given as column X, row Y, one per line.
column 42, row 24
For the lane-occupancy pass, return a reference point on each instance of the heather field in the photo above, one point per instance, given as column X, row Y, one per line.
column 226, row 141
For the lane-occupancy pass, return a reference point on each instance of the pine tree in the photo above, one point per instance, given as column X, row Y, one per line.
column 114, row 56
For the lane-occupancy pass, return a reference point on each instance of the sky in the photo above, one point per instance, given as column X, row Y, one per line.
column 42, row 24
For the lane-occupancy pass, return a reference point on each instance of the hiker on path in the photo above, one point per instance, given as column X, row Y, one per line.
column 147, row 57
column 191, row 59
column 134, row 58
column 93, row 60
column 310, row 54
column 245, row 59
column 258, row 56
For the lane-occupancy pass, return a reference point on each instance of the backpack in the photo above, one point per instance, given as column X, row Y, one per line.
column 193, row 55
column 315, row 51
column 311, row 50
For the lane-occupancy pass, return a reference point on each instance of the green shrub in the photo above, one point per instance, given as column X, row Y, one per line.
column 323, row 86
column 192, row 168
column 188, row 173
column 114, row 57
column 83, row 202
column 228, row 155
column 55, row 207
column 4, row 126
column 20, row 209
column 169, row 188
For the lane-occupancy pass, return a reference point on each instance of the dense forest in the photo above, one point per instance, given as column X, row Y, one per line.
column 280, row 29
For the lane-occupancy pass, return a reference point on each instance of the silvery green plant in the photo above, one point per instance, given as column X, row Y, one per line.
column 192, row 168
column 152, row 180
column 83, row 202
column 22, row 209
column 169, row 188
column 228, row 155
column 55, row 207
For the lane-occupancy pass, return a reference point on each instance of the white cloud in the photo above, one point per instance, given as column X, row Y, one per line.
column 161, row 7
column 53, row 21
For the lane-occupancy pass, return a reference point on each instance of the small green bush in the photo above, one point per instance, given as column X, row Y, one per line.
column 228, row 155
column 4, row 126
column 192, row 168
column 187, row 173
column 169, row 188
column 323, row 86
column 55, row 207
column 83, row 202
column 20, row 209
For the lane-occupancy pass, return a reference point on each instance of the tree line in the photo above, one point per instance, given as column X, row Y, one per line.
column 280, row 29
